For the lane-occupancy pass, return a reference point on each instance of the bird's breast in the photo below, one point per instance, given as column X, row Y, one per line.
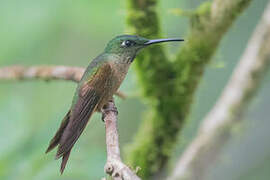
column 113, row 81
column 119, row 72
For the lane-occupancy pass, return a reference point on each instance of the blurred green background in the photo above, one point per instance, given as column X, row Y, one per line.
column 66, row 32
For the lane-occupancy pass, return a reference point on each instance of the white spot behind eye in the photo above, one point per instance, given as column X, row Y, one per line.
column 123, row 43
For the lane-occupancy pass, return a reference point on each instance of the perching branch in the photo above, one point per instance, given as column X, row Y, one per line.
column 215, row 129
column 114, row 166
column 45, row 73
column 170, row 85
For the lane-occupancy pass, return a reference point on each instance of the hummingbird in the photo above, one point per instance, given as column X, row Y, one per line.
column 97, row 86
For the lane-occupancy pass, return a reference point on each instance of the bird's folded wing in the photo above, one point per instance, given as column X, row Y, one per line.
column 89, row 96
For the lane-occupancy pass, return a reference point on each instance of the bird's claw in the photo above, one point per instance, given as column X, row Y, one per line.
column 109, row 107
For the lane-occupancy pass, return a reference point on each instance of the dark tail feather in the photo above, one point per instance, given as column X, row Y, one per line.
column 64, row 161
column 55, row 140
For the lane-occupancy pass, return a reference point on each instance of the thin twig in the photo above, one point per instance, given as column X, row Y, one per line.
column 114, row 166
column 47, row 73
column 215, row 129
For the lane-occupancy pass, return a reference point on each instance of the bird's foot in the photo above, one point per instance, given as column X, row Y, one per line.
column 109, row 107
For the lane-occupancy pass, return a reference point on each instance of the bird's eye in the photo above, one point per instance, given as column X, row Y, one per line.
column 127, row 43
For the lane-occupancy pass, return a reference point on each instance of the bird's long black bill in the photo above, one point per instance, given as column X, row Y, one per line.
column 154, row 41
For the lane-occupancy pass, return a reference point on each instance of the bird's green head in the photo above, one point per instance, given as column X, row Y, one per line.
column 129, row 45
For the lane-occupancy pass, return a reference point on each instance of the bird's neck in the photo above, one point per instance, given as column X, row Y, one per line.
column 122, row 65
column 119, row 63
column 122, row 58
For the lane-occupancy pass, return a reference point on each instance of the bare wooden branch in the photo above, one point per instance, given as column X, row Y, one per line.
column 215, row 129
column 114, row 166
column 41, row 72
column 47, row 73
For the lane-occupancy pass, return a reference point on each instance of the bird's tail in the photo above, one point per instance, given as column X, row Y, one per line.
column 56, row 139
column 64, row 161
column 73, row 125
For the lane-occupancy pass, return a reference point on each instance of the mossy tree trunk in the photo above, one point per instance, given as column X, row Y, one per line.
column 169, row 85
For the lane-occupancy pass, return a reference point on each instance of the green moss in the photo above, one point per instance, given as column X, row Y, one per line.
column 169, row 86
column 181, row 12
column 204, row 9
